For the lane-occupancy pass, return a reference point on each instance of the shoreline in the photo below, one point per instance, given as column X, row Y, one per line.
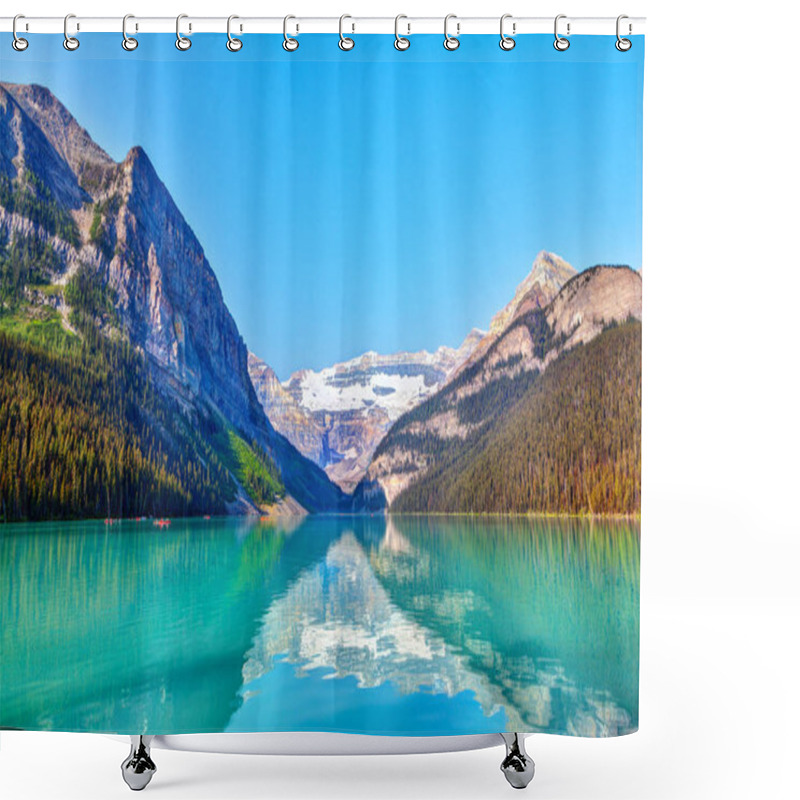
column 633, row 516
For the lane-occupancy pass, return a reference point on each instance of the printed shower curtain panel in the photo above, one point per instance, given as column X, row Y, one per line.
column 321, row 386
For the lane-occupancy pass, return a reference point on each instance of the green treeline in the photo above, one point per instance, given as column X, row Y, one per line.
column 84, row 433
column 565, row 441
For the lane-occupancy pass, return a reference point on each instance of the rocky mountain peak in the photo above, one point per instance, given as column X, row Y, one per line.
column 137, row 160
column 532, row 338
column 71, row 141
column 592, row 300
column 548, row 274
column 27, row 149
column 467, row 347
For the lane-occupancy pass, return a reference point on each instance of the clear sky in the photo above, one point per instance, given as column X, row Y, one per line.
column 370, row 200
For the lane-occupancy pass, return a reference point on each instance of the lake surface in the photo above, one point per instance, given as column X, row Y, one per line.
column 398, row 625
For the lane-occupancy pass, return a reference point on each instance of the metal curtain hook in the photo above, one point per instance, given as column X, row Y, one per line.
column 70, row 42
column 345, row 42
column 401, row 42
column 507, row 42
column 560, row 43
column 623, row 45
column 181, row 41
column 18, row 43
column 128, row 42
column 451, row 42
column 290, row 44
column 233, row 44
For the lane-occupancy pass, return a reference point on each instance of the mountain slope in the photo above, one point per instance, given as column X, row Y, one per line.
column 84, row 434
column 63, row 197
column 337, row 416
column 571, row 444
column 410, row 468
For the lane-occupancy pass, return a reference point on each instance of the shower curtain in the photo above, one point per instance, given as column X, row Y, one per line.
column 320, row 373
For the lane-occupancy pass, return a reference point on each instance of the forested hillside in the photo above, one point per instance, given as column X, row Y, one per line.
column 569, row 442
column 83, row 433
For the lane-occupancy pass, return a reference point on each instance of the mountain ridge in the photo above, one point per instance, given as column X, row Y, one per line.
column 497, row 378
column 546, row 277
column 336, row 416
column 120, row 225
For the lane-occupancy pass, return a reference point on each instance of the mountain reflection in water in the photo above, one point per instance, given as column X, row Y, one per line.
column 401, row 625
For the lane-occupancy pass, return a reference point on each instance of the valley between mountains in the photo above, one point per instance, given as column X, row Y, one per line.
column 127, row 389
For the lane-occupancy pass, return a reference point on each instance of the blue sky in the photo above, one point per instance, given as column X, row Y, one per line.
column 370, row 200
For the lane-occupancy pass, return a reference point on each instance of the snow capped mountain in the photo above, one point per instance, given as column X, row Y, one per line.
column 395, row 383
column 337, row 416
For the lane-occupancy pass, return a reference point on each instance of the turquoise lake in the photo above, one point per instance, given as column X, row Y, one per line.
column 397, row 625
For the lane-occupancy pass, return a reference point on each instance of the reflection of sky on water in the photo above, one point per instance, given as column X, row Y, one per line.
column 408, row 625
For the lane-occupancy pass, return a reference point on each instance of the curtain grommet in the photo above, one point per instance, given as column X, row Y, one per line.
column 129, row 43
column 183, row 43
column 233, row 44
column 290, row 43
column 507, row 42
column 622, row 44
column 71, row 43
column 18, row 43
column 345, row 42
column 451, row 43
column 561, row 43
column 401, row 43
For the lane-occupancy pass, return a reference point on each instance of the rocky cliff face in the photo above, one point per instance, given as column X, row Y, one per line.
column 297, row 424
column 38, row 134
column 132, row 235
column 532, row 338
column 168, row 293
column 132, row 232
column 337, row 416
column 593, row 299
